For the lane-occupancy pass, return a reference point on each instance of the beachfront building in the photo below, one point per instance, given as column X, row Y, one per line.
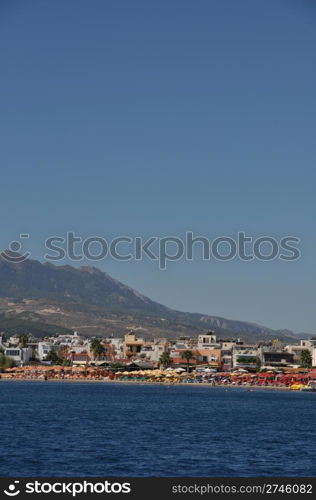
column 109, row 352
column 210, row 357
column 309, row 344
column 227, row 359
column 314, row 357
column 297, row 350
column 179, row 362
column 153, row 350
column 207, row 340
column 43, row 349
column 227, row 353
column 84, row 354
column 81, row 358
column 277, row 359
column 132, row 345
column 246, row 357
column 21, row 355
column 117, row 344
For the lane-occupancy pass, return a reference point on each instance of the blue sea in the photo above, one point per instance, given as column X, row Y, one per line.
column 104, row 429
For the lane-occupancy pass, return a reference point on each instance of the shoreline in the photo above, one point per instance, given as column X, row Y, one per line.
column 248, row 388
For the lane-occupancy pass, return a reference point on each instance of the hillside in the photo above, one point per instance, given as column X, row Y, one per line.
column 93, row 302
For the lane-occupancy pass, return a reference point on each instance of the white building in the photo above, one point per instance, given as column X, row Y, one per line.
column 227, row 354
column 43, row 349
column 154, row 350
column 314, row 357
column 2, row 343
column 308, row 344
column 14, row 340
column 296, row 350
column 208, row 340
column 20, row 355
column 118, row 345
column 65, row 339
column 245, row 356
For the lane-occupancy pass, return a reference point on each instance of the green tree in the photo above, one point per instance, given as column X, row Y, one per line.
column 97, row 348
column 306, row 359
column 63, row 353
column 118, row 366
column 54, row 358
column 6, row 362
column 165, row 359
column 187, row 356
column 250, row 360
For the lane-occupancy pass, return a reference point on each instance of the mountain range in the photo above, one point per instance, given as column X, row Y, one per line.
column 43, row 298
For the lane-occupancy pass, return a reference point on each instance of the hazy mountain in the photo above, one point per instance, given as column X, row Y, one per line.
column 94, row 303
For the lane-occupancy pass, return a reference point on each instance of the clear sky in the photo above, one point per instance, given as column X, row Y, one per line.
column 155, row 118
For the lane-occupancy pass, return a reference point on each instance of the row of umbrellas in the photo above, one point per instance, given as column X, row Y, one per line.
column 57, row 368
column 179, row 372
column 168, row 373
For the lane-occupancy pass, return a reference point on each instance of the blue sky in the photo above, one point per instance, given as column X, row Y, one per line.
column 156, row 118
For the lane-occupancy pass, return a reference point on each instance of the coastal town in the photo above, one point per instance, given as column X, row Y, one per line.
column 203, row 359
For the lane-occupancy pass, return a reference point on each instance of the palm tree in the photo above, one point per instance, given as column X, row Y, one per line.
column 187, row 356
column 165, row 359
column 306, row 359
column 96, row 347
